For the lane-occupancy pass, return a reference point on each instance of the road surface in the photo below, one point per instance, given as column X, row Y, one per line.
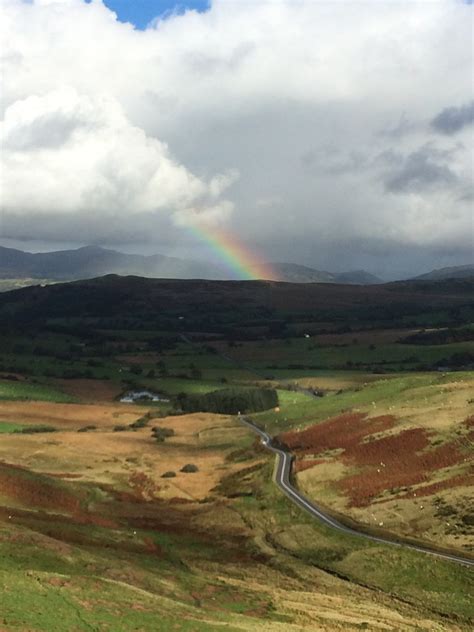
column 282, row 479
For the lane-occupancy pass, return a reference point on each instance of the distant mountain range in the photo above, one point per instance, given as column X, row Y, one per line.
column 94, row 261
column 456, row 272
column 295, row 273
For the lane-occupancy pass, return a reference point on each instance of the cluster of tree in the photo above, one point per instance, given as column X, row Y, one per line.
column 228, row 401
column 141, row 422
column 461, row 359
column 162, row 343
column 60, row 373
column 440, row 336
column 160, row 433
column 35, row 429
column 189, row 468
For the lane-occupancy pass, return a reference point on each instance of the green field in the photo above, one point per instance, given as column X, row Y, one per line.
column 300, row 410
column 32, row 392
column 7, row 427
column 300, row 353
column 107, row 530
column 442, row 586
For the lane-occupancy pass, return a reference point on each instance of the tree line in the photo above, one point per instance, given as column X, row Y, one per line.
column 229, row 401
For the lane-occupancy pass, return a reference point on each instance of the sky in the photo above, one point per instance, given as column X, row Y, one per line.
column 332, row 134
column 141, row 13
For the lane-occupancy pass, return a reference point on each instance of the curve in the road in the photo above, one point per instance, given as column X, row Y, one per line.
column 282, row 479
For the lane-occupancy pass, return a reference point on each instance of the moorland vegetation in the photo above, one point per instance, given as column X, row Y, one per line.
column 154, row 514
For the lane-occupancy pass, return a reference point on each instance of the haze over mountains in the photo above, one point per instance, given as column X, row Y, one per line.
column 456, row 272
column 94, row 261
column 295, row 273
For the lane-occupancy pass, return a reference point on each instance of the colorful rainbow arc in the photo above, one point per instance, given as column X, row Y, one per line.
column 238, row 258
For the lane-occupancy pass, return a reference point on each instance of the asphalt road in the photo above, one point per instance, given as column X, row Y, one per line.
column 282, row 479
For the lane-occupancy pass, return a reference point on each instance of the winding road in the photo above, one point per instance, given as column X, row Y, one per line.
column 282, row 479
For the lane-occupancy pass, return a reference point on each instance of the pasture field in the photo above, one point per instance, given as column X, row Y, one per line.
column 419, row 413
column 7, row 427
column 415, row 393
column 87, row 519
column 31, row 392
column 304, row 353
column 398, row 571
column 137, row 516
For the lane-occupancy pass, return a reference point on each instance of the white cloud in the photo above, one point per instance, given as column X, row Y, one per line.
column 300, row 98
column 69, row 153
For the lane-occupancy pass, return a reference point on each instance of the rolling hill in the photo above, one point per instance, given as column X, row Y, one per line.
column 141, row 516
column 208, row 303
column 453, row 272
column 294, row 273
column 93, row 261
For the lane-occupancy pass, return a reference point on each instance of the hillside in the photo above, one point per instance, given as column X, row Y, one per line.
column 206, row 303
column 453, row 272
column 124, row 511
column 294, row 273
column 92, row 261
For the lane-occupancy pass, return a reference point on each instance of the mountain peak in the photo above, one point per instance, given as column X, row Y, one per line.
column 453, row 272
column 92, row 248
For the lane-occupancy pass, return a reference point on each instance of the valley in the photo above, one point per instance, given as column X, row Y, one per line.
column 141, row 515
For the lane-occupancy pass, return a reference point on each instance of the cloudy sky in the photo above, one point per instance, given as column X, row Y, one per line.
column 334, row 134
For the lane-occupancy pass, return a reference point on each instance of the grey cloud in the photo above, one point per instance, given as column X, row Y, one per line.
column 308, row 158
column 423, row 169
column 388, row 258
column 335, row 161
column 106, row 228
column 51, row 130
column 403, row 127
column 467, row 193
column 208, row 63
column 292, row 95
column 453, row 119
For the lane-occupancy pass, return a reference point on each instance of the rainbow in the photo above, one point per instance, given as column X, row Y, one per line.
column 233, row 254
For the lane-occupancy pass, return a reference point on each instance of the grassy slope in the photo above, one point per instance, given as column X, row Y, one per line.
column 58, row 572
column 34, row 392
column 435, row 402
column 59, row 576
column 304, row 352
column 298, row 410
column 440, row 586
column 7, row 427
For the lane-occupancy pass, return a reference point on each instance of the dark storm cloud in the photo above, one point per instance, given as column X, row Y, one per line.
column 131, row 137
column 453, row 119
column 423, row 169
column 100, row 228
